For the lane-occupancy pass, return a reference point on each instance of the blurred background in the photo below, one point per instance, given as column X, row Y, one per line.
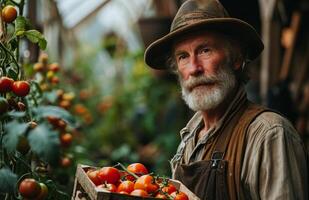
column 128, row 112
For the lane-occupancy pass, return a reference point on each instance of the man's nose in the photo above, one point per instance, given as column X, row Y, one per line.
column 196, row 66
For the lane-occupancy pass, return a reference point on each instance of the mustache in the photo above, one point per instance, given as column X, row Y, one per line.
column 195, row 81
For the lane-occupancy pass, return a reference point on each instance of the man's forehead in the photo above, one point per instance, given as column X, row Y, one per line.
column 208, row 37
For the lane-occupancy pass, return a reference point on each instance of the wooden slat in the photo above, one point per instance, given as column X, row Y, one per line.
column 267, row 11
column 295, row 23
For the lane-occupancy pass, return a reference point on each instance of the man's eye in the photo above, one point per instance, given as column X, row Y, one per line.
column 204, row 50
column 181, row 57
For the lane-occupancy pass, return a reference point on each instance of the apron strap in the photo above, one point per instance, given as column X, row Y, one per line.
column 226, row 133
column 239, row 124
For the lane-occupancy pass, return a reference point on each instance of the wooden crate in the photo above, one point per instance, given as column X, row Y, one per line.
column 85, row 189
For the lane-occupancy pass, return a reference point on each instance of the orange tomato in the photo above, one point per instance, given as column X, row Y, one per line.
column 139, row 193
column 9, row 14
column 179, row 196
column 147, row 183
column 126, row 186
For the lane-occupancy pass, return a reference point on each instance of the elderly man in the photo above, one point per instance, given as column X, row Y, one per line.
column 231, row 148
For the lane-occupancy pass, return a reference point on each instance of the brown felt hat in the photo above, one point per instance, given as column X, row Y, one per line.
column 199, row 15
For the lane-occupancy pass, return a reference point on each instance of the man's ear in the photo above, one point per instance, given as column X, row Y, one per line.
column 238, row 63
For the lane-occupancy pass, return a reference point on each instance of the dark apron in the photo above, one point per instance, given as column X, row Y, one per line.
column 208, row 178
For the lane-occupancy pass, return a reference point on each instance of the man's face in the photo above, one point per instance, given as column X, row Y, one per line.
column 205, row 70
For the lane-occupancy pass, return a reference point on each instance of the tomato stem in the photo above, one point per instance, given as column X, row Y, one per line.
column 125, row 169
column 12, row 56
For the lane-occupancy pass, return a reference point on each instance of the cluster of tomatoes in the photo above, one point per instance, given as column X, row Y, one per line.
column 134, row 180
column 46, row 72
column 65, row 138
column 29, row 188
column 19, row 88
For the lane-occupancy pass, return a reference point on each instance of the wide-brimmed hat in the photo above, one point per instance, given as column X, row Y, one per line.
column 199, row 15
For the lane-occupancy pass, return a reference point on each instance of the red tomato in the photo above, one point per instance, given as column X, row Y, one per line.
column 9, row 14
column 110, row 187
column 139, row 192
column 147, row 183
column 29, row 188
column 179, row 196
column 123, row 192
column 93, row 176
column 66, row 139
column 65, row 162
column 170, row 188
column 137, row 168
column 109, row 175
column 21, row 88
column 54, row 67
column 44, row 192
column 126, row 186
column 6, row 84
column 161, row 196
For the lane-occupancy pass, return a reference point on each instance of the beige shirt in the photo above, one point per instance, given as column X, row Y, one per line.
column 275, row 161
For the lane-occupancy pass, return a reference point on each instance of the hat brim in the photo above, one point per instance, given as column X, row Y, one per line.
column 159, row 51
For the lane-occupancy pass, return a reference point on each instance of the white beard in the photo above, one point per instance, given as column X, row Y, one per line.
column 208, row 97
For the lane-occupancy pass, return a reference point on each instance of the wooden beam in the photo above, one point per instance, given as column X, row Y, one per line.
column 165, row 8
column 295, row 24
column 267, row 8
column 90, row 15
column 33, row 48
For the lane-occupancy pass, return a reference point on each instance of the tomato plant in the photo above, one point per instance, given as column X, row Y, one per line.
column 29, row 144
column 4, row 105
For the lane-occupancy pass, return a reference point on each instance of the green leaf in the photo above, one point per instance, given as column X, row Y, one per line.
column 33, row 35
column 45, row 142
column 42, row 44
column 8, row 181
column 51, row 96
column 16, row 114
column 36, row 37
column 14, row 130
column 55, row 111
column 12, row 73
column 20, row 25
column 19, row 33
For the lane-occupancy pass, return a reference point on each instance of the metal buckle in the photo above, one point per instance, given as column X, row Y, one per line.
column 215, row 158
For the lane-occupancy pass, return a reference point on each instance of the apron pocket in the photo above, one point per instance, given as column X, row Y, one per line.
column 206, row 178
